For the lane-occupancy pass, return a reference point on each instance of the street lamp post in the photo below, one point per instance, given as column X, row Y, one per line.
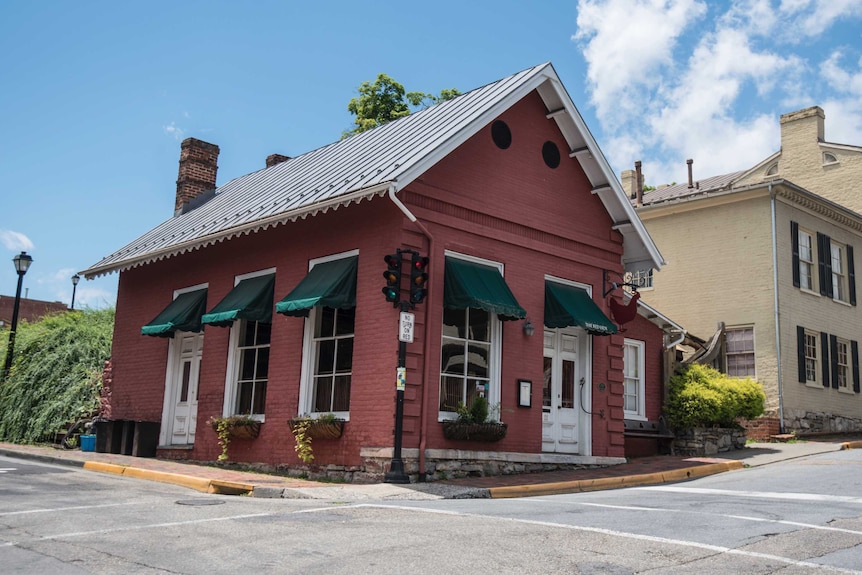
column 75, row 279
column 22, row 263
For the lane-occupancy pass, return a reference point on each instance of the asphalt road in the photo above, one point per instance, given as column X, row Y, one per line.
column 800, row 516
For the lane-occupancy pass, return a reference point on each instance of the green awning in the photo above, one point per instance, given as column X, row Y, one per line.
column 329, row 284
column 468, row 284
column 567, row 305
column 250, row 299
column 182, row 314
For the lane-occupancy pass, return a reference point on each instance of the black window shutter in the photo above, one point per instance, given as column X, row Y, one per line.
column 821, row 264
column 854, row 347
column 827, row 259
column 824, row 361
column 800, row 353
column 851, row 275
column 794, row 238
column 833, row 351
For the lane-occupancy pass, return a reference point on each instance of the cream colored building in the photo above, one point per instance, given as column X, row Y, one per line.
column 769, row 253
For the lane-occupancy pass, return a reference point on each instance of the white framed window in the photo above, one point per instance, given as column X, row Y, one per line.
column 634, row 380
column 842, row 364
column 248, row 362
column 327, row 351
column 470, row 353
column 253, row 374
column 829, row 158
column 812, row 369
column 839, row 277
column 772, row 170
column 806, row 260
column 739, row 353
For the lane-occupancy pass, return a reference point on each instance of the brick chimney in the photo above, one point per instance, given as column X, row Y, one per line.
column 627, row 180
column 273, row 159
column 198, row 168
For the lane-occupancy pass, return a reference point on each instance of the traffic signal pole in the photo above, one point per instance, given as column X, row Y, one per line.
column 392, row 292
column 396, row 472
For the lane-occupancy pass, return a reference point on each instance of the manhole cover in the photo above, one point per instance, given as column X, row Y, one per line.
column 197, row 502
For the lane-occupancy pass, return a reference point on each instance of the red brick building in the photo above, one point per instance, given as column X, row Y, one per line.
column 270, row 288
column 28, row 309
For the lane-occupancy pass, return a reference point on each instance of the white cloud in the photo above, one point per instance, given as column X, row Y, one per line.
column 173, row 130
column 673, row 79
column 15, row 241
column 626, row 43
column 813, row 17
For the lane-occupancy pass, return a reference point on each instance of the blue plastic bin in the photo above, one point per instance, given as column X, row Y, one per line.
column 88, row 443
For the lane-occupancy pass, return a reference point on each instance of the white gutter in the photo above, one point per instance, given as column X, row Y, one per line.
column 775, row 309
column 426, row 377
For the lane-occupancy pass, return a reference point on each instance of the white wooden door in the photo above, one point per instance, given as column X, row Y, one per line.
column 184, row 387
column 560, row 399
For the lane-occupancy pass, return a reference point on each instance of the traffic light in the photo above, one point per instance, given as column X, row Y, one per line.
column 392, row 289
column 418, row 278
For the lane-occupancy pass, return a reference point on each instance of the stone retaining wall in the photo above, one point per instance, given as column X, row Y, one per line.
column 703, row 441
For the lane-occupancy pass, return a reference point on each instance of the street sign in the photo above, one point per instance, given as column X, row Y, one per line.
column 405, row 327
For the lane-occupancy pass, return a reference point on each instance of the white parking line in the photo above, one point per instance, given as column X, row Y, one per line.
column 134, row 528
column 688, row 512
column 757, row 494
column 636, row 536
column 7, row 469
column 25, row 512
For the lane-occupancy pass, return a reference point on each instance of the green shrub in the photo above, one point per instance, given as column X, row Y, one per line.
column 701, row 396
column 56, row 373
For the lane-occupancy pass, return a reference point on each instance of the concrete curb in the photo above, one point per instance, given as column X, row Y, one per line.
column 604, row 483
column 41, row 458
column 197, row 483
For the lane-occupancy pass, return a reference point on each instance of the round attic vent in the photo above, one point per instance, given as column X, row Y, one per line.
column 501, row 134
column 551, row 155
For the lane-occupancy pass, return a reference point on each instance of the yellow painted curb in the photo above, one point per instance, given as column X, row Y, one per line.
column 196, row 483
column 851, row 445
column 604, row 483
column 229, row 487
column 104, row 467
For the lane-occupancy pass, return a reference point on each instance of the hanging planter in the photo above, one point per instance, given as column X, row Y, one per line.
column 318, row 428
column 233, row 427
column 470, row 431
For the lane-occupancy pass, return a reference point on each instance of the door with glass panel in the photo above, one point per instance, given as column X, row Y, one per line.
column 184, row 387
column 560, row 401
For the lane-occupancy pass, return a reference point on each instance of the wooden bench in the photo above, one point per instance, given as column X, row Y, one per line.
column 650, row 430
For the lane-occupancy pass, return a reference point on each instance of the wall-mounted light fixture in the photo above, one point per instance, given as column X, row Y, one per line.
column 529, row 328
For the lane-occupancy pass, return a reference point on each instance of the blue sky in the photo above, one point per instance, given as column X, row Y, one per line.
column 96, row 96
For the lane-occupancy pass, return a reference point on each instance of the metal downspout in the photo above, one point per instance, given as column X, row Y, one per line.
column 777, row 319
column 423, row 418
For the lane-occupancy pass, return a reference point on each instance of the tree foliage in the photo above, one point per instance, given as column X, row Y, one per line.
column 701, row 396
column 56, row 374
column 385, row 100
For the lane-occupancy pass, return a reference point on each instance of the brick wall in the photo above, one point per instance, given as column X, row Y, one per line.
column 502, row 205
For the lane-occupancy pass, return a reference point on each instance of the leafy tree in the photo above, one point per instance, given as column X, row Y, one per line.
column 56, row 373
column 386, row 100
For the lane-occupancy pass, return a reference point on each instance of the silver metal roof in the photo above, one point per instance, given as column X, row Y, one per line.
column 373, row 162
column 680, row 192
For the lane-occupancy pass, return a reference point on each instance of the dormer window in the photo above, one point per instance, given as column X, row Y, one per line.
column 829, row 158
column 773, row 170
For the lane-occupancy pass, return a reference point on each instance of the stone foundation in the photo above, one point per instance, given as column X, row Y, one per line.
column 705, row 441
column 802, row 422
column 440, row 465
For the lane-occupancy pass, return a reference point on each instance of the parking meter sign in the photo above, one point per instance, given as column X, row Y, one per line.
column 405, row 327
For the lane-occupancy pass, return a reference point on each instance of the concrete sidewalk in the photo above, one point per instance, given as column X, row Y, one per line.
column 641, row 471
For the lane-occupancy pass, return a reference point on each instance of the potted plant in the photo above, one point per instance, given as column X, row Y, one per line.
column 474, row 423
column 305, row 428
column 233, row 427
